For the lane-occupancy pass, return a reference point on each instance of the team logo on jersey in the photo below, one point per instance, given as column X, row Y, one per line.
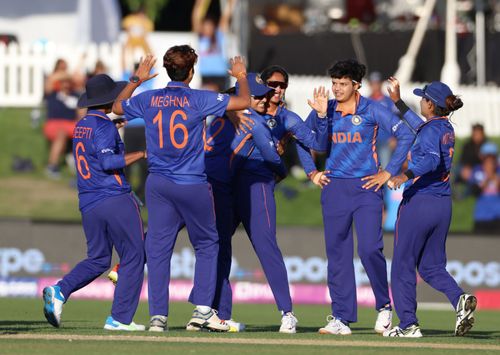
column 272, row 123
column 220, row 97
column 356, row 120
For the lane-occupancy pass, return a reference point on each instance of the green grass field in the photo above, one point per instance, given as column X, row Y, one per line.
column 33, row 196
column 81, row 332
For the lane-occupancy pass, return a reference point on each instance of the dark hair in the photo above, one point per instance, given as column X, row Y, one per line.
column 453, row 103
column 269, row 71
column 478, row 126
column 349, row 68
column 179, row 60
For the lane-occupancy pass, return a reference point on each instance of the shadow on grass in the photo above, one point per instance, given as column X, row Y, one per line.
column 471, row 335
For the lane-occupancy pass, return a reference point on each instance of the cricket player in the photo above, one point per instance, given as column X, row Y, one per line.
column 177, row 191
column 110, row 214
column 351, row 192
column 425, row 212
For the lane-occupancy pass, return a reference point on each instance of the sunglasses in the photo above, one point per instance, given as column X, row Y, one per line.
column 260, row 97
column 276, row 84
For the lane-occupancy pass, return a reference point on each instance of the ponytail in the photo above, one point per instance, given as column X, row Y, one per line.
column 453, row 103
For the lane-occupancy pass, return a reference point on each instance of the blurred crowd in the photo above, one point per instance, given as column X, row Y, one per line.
column 312, row 16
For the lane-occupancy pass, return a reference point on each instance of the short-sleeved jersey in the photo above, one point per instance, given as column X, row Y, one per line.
column 225, row 150
column 352, row 139
column 99, row 157
column 430, row 158
column 175, row 124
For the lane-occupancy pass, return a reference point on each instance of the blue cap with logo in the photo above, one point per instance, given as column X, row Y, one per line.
column 436, row 91
column 256, row 85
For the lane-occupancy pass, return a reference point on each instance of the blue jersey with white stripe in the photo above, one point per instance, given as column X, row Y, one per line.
column 352, row 139
column 430, row 158
column 175, row 125
column 99, row 158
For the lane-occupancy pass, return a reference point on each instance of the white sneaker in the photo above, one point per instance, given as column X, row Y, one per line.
column 384, row 321
column 235, row 327
column 335, row 326
column 465, row 314
column 413, row 331
column 209, row 321
column 288, row 323
column 112, row 324
column 158, row 323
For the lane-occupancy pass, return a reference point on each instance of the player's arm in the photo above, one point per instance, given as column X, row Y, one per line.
column 109, row 158
column 312, row 134
column 429, row 141
column 265, row 144
column 143, row 73
column 239, row 71
column 410, row 117
column 405, row 137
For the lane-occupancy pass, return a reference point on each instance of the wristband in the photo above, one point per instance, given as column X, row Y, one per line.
column 401, row 106
column 409, row 174
column 321, row 116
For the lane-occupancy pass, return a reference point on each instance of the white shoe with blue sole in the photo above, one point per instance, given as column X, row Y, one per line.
column 112, row 324
column 53, row 301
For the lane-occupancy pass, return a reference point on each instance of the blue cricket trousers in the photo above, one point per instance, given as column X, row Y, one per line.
column 344, row 201
column 170, row 207
column 256, row 207
column 227, row 222
column 420, row 242
column 115, row 221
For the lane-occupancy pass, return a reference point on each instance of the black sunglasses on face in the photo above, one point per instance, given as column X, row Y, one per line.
column 260, row 97
column 275, row 84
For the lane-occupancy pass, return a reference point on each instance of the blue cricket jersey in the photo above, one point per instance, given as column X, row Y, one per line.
column 175, row 125
column 285, row 123
column 225, row 150
column 100, row 158
column 352, row 138
column 430, row 157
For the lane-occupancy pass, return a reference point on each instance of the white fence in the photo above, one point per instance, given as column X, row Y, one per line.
column 22, row 70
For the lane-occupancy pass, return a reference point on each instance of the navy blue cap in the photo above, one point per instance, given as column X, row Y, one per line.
column 256, row 85
column 100, row 90
column 436, row 91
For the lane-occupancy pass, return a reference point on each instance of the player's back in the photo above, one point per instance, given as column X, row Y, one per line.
column 95, row 142
column 174, row 118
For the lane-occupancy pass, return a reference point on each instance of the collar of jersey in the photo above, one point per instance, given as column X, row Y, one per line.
column 98, row 114
column 176, row 84
column 344, row 111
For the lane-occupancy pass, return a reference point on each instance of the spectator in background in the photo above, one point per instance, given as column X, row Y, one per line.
column 485, row 178
column 470, row 153
column 99, row 68
column 61, row 104
column 52, row 81
column 137, row 25
column 212, row 44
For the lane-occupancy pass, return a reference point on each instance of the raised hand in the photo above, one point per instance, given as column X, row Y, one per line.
column 320, row 101
column 393, row 89
column 145, row 66
column 237, row 67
